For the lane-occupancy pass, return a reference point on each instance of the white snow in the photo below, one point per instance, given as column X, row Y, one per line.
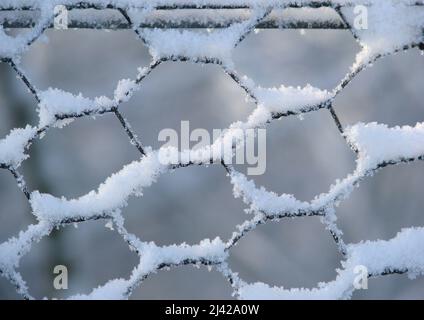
column 125, row 89
column 13, row 147
column 113, row 290
column 110, row 196
column 403, row 252
column 155, row 3
column 283, row 100
column 377, row 143
column 11, row 47
column 151, row 258
column 56, row 102
column 259, row 199
column 392, row 24
column 14, row 248
column 198, row 46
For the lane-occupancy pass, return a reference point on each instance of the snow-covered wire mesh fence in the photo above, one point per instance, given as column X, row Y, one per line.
column 394, row 26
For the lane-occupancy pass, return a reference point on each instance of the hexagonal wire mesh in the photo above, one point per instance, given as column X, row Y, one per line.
column 237, row 19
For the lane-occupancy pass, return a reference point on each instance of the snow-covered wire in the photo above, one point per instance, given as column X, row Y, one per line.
column 399, row 27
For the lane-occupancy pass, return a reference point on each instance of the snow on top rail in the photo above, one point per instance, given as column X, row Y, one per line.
column 196, row 4
column 301, row 18
column 291, row 18
column 394, row 26
column 184, row 4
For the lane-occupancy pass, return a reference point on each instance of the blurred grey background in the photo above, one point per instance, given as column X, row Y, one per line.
column 304, row 158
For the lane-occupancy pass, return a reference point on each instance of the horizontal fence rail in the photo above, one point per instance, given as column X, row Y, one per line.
column 173, row 20
column 188, row 15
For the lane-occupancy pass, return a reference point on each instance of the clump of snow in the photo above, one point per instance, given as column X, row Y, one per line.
column 14, row 248
column 271, row 102
column 113, row 290
column 285, row 100
column 260, row 199
column 13, row 147
column 402, row 253
column 291, row 99
column 392, row 24
column 377, row 143
column 111, row 195
column 125, row 89
column 12, row 47
column 262, row 291
column 55, row 103
column 222, row 148
column 9, row 45
column 197, row 46
column 151, row 258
